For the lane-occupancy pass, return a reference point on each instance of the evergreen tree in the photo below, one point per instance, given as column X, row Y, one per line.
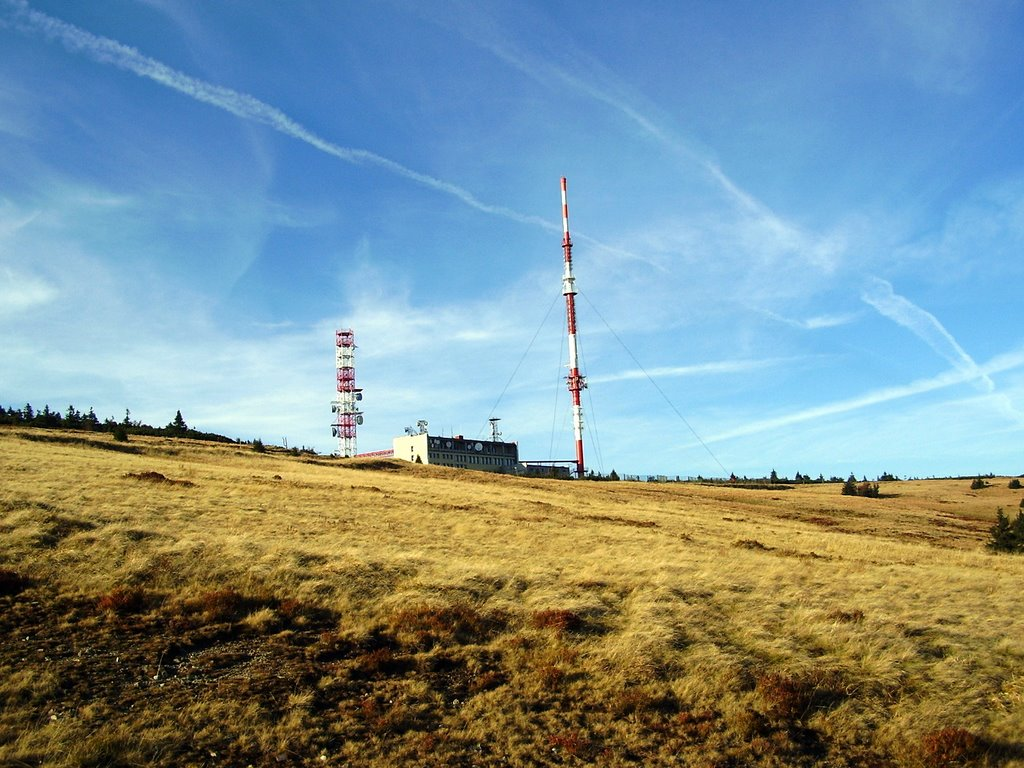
column 178, row 426
column 1017, row 533
column 868, row 490
column 850, row 486
column 1001, row 533
column 48, row 418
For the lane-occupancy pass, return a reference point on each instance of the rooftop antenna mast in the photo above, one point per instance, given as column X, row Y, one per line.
column 575, row 381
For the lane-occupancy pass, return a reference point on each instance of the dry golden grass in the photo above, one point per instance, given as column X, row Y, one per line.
column 192, row 603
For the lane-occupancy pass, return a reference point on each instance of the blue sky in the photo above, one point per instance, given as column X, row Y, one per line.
column 798, row 226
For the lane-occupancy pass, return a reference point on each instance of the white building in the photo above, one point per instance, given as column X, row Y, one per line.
column 486, row 455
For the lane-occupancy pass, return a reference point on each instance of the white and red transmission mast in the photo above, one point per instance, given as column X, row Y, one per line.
column 346, row 409
column 575, row 381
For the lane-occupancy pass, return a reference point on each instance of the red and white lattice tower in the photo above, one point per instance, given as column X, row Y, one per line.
column 346, row 409
column 575, row 381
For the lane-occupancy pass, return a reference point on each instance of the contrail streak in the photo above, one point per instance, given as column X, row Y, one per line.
column 925, row 326
column 107, row 51
column 605, row 89
column 958, row 375
column 702, row 369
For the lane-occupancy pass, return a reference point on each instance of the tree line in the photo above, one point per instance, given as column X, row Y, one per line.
column 72, row 418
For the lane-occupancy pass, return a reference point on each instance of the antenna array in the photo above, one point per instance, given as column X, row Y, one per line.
column 345, row 407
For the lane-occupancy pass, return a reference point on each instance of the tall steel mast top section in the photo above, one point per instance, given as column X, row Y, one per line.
column 575, row 381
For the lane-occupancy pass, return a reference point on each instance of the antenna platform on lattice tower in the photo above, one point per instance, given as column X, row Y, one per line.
column 345, row 408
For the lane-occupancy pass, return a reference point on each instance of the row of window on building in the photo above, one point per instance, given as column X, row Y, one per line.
column 466, row 459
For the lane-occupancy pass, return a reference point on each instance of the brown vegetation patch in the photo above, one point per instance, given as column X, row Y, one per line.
column 380, row 662
column 804, row 555
column 392, row 717
column 459, row 676
column 530, row 518
column 221, row 605
column 550, row 675
column 331, row 647
column 427, row 625
column 792, row 697
column 951, row 747
column 560, row 620
column 572, row 743
column 555, row 667
column 487, row 680
column 638, row 700
column 699, row 725
column 377, row 465
column 157, row 477
column 747, row 486
column 621, row 521
column 855, row 616
column 69, row 440
column 752, row 544
column 122, row 600
column 789, row 746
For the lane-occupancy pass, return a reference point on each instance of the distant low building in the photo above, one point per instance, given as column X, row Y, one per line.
column 457, row 451
column 559, row 470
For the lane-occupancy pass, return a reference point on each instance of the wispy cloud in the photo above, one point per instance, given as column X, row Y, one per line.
column 937, row 44
column 949, row 378
column 589, row 77
column 880, row 295
column 718, row 368
column 19, row 291
column 13, row 219
column 815, row 323
column 107, row 51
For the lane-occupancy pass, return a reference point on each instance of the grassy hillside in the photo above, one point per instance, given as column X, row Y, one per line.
column 188, row 603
